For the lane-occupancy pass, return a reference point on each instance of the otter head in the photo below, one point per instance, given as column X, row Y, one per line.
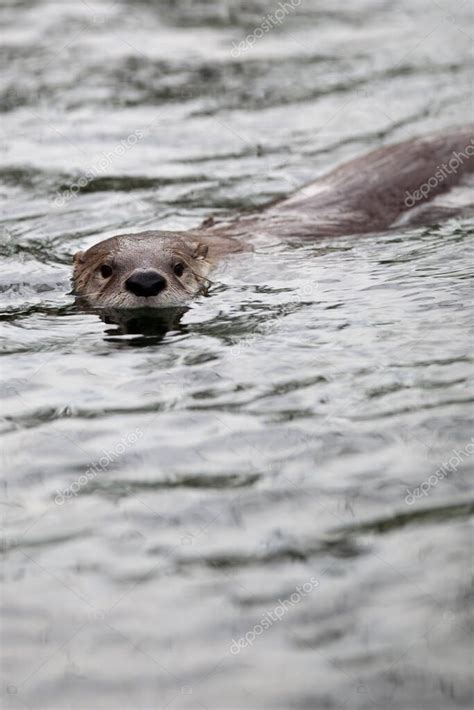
column 150, row 269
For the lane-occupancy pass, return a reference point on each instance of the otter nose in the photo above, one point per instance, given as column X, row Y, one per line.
column 145, row 283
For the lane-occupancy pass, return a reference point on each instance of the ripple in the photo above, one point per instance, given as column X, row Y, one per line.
column 281, row 417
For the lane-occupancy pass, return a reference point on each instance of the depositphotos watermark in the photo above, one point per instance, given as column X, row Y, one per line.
column 440, row 474
column 271, row 323
column 267, row 24
column 97, row 467
column 442, row 172
column 99, row 167
column 277, row 613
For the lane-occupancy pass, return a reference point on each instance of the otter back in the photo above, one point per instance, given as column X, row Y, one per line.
column 369, row 193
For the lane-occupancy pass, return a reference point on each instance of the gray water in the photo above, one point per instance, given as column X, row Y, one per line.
column 266, row 503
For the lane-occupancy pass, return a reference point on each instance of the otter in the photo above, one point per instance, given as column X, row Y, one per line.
column 149, row 269
column 371, row 193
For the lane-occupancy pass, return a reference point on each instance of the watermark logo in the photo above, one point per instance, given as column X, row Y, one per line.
column 270, row 617
column 98, row 168
column 101, row 465
column 305, row 291
column 268, row 23
column 446, row 468
column 442, row 172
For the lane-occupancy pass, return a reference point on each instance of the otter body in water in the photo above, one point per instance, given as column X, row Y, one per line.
column 368, row 194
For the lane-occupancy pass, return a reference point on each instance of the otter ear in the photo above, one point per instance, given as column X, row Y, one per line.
column 200, row 251
column 79, row 257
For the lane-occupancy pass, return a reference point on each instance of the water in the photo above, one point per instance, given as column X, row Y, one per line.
column 266, row 503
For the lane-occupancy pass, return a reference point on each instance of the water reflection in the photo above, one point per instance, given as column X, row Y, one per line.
column 150, row 324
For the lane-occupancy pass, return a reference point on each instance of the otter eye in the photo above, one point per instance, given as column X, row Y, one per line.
column 178, row 269
column 105, row 271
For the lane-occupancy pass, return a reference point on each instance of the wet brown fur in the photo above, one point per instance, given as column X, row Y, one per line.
column 366, row 194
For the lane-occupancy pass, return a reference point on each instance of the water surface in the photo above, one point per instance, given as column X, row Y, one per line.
column 266, row 502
